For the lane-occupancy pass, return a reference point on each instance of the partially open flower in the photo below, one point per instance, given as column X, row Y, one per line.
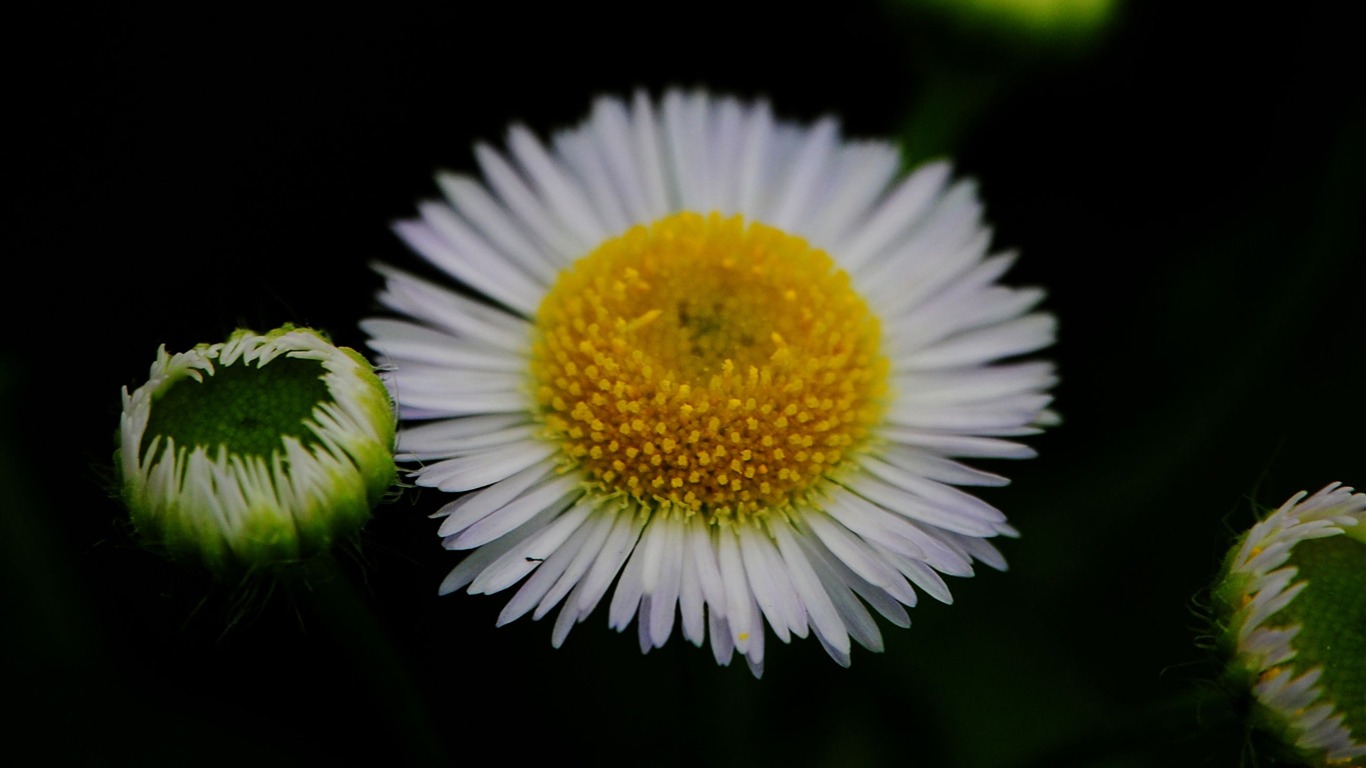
column 1291, row 602
column 258, row 451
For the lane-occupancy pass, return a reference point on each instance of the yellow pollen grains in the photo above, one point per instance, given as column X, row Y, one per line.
column 706, row 364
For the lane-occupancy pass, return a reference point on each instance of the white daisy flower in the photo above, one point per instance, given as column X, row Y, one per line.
column 255, row 452
column 721, row 359
column 1292, row 601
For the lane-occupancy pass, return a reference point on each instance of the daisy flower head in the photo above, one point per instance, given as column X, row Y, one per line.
column 724, row 361
column 1291, row 602
column 256, row 452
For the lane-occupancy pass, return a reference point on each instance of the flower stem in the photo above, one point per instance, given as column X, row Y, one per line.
column 329, row 600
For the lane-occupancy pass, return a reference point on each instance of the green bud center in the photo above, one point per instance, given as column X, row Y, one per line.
column 1332, row 614
column 242, row 407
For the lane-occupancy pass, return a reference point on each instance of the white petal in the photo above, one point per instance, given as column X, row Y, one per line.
column 972, row 517
column 611, row 135
column 725, row 135
column 769, row 583
column 452, row 437
column 476, row 561
column 839, row 581
column 664, row 593
column 477, row 269
column 973, row 385
column 469, row 472
column 556, row 493
column 951, row 316
column 702, row 548
column 758, row 132
column 864, row 171
column 984, row 345
column 855, row 553
column 596, row 532
column 722, row 644
column 565, row 198
column 739, row 602
column 553, row 569
column 649, row 159
column 934, row 467
column 818, row 605
column 897, row 533
column 497, row 225
column 474, row 506
column 920, row 574
column 519, row 561
column 447, row 310
column 805, row 175
column 905, row 278
column 898, row 211
column 403, row 341
column 619, row 545
column 522, row 202
column 684, row 123
column 691, row 604
column 580, row 153
column 631, row 583
column 584, row 597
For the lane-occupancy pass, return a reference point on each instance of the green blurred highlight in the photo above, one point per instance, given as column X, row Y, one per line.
column 1024, row 23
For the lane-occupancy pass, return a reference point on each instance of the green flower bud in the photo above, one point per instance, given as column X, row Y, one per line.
column 1291, row 606
column 256, row 452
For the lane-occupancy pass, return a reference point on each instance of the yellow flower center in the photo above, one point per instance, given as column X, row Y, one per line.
column 707, row 364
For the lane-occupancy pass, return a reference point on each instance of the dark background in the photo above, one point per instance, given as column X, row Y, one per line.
column 1189, row 187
